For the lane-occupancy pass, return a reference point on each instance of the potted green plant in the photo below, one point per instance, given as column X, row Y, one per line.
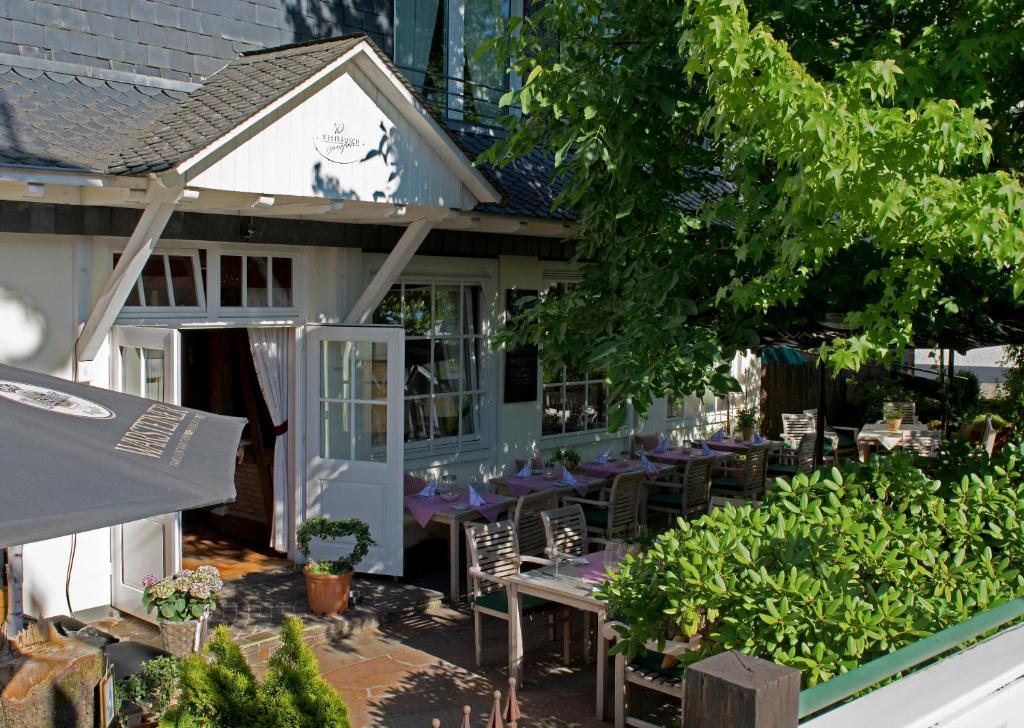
column 328, row 582
column 892, row 416
column 183, row 602
column 746, row 421
column 569, row 458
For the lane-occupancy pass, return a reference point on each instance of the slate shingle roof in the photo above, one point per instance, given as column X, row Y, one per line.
column 71, row 122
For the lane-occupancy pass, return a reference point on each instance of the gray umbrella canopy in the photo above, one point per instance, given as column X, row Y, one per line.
column 75, row 457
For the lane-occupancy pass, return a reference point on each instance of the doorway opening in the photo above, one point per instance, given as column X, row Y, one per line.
column 218, row 375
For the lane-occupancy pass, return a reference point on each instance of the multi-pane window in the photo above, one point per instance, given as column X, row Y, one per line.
column 353, row 400
column 443, row 338
column 256, row 281
column 169, row 280
column 574, row 399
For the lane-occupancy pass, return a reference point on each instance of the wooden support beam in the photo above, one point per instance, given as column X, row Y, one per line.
column 399, row 257
column 122, row 279
column 737, row 690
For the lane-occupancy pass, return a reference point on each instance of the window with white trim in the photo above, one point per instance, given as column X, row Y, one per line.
column 573, row 400
column 256, row 281
column 443, row 339
column 170, row 280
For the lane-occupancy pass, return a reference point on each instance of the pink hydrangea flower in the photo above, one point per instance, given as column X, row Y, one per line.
column 150, row 580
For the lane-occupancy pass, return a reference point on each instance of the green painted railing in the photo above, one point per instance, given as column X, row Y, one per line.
column 839, row 688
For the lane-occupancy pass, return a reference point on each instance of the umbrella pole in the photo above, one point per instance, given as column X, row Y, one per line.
column 819, row 425
column 15, row 619
column 946, row 393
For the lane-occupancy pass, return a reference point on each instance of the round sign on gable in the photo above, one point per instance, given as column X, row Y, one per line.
column 53, row 400
column 337, row 144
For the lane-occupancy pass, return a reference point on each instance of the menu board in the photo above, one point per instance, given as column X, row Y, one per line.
column 521, row 361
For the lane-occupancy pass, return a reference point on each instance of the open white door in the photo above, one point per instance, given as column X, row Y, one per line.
column 144, row 362
column 353, row 438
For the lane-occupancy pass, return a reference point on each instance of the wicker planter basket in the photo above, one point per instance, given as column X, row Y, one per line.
column 181, row 639
column 327, row 594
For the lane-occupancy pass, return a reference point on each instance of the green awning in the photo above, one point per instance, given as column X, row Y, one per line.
column 783, row 355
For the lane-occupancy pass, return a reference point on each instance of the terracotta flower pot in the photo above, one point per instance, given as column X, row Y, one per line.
column 893, row 424
column 327, row 594
column 747, row 433
column 181, row 638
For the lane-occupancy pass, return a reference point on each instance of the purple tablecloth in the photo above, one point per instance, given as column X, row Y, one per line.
column 610, row 470
column 522, row 486
column 676, row 455
column 732, row 444
column 594, row 571
column 424, row 509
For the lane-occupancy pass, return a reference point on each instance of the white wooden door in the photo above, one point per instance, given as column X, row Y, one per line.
column 144, row 362
column 354, row 442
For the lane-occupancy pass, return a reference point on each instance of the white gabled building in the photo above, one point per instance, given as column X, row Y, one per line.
column 303, row 203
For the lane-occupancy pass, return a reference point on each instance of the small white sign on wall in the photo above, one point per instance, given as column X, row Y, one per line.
column 336, row 142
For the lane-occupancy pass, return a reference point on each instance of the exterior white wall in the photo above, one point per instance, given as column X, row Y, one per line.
column 986, row 363
column 44, row 287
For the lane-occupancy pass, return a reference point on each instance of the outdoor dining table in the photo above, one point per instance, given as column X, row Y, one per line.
column 878, row 433
column 573, row 587
column 518, row 486
column 735, row 444
column 681, row 455
column 455, row 513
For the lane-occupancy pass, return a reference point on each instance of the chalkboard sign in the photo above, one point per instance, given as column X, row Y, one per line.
column 520, row 362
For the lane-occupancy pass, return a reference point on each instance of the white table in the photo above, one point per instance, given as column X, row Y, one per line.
column 562, row 590
column 878, row 433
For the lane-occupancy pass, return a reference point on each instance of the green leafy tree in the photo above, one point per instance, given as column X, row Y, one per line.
column 737, row 166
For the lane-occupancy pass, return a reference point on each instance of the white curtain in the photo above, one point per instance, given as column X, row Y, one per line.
column 271, row 348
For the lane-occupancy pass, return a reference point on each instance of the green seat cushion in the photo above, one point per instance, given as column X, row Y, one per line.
column 497, row 601
column 781, row 469
column 846, row 441
column 670, row 498
column 649, row 661
column 596, row 516
column 727, row 482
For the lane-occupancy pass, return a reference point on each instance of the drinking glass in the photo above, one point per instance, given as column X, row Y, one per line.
column 616, row 549
column 557, row 556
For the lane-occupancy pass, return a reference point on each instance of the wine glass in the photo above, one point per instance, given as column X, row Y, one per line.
column 557, row 557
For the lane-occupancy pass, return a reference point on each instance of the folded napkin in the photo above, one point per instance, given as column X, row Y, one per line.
column 475, row 499
column 649, row 467
column 704, row 449
column 758, row 440
column 430, row 490
column 568, row 477
column 603, row 457
column 718, row 436
column 526, row 472
column 661, row 447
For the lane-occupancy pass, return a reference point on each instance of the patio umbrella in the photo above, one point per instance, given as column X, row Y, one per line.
column 75, row 457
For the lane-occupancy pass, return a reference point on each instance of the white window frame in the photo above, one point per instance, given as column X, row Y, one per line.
column 462, row 441
column 211, row 312
column 564, row 277
column 245, row 309
column 171, row 311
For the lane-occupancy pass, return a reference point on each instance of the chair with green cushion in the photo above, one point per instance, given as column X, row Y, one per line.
column 801, row 460
column 686, row 493
column 744, row 474
column 493, row 554
column 647, row 671
column 616, row 517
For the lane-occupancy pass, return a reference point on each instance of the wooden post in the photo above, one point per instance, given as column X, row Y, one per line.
column 819, row 427
column 737, row 690
column 15, row 618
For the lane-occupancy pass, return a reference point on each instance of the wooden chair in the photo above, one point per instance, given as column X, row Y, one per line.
column 800, row 460
column 686, row 493
column 535, row 462
column 907, row 410
column 647, row 671
column 528, row 523
column 615, row 517
column 743, row 477
column 721, row 501
column 795, row 426
column 493, row 554
column 922, row 444
column 646, row 442
column 565, row 528
column 839, row 441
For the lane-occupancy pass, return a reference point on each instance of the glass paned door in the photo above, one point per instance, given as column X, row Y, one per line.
column 354, row 435
column 144, row 363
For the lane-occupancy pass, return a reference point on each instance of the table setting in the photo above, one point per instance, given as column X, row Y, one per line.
column 529, row 480
column 607, row 466
column 448, row 497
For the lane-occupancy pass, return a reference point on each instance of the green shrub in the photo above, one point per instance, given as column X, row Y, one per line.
column 152, row 687
column 325, row 528
column 224, row 693
column 835, row 569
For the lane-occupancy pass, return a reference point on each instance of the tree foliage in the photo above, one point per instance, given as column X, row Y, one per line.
column 834, row 569
column 731, row 161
